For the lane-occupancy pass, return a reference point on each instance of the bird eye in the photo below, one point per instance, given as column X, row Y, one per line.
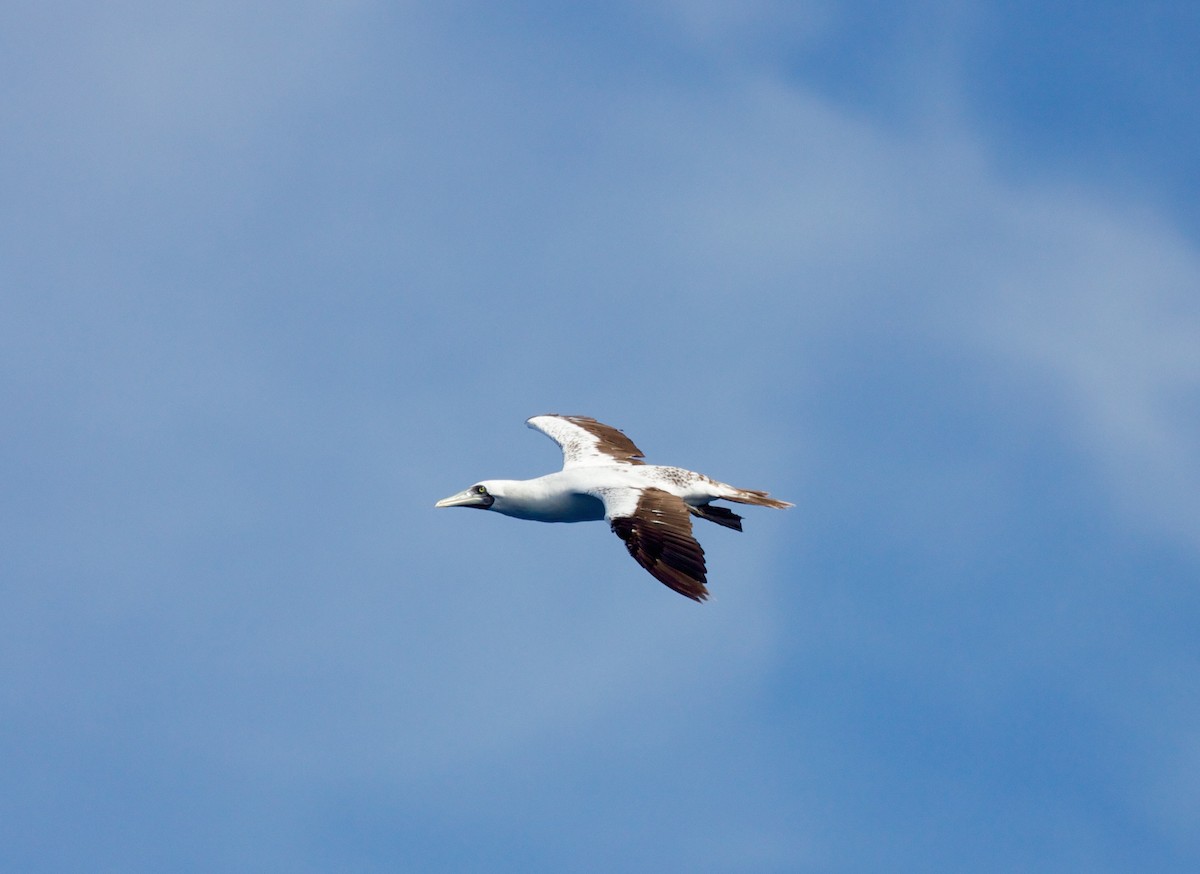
column 480, row 490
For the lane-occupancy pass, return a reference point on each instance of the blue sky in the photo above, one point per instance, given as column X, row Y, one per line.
column 279, row 276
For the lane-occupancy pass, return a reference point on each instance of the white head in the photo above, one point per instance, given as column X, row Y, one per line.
column 482, row 496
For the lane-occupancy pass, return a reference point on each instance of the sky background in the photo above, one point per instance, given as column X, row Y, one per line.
column 277, row 276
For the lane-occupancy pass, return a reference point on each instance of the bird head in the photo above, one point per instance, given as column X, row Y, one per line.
column 479, row 496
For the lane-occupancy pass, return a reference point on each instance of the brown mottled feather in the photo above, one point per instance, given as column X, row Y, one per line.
column 612, row 441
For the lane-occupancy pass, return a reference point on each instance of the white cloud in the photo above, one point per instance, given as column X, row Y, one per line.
column 1099, row 305
column 788, row 221
column 715, row 22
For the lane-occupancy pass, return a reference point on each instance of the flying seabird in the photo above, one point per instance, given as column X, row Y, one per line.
column 603, row 477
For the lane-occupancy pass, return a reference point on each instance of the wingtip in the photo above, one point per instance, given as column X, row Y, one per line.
column 529, row 421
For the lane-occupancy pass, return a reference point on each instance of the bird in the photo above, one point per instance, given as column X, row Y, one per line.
column 604, row 478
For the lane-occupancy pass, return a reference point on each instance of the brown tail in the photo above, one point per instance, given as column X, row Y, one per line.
column 755, row 497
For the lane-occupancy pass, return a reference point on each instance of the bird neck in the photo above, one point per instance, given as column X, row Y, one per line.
column 544, row 499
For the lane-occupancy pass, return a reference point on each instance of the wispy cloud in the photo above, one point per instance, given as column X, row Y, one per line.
column 1101, row 309
column 288, row 275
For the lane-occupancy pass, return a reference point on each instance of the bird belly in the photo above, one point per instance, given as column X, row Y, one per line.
column 691, row 487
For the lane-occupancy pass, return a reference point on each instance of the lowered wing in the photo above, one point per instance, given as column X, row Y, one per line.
column 657, row 531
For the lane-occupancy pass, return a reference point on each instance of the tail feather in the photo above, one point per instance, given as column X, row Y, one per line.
column 755, row 497
column 720, row 515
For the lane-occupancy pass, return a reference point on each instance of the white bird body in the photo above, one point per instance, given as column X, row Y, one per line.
column 647, row 506
column 555, row 497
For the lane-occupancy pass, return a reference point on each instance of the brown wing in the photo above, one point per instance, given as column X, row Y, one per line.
column 658, row 534
column 585, row 441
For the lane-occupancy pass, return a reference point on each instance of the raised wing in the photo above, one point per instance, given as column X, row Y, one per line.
column 657, row 532
column 586, row 442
